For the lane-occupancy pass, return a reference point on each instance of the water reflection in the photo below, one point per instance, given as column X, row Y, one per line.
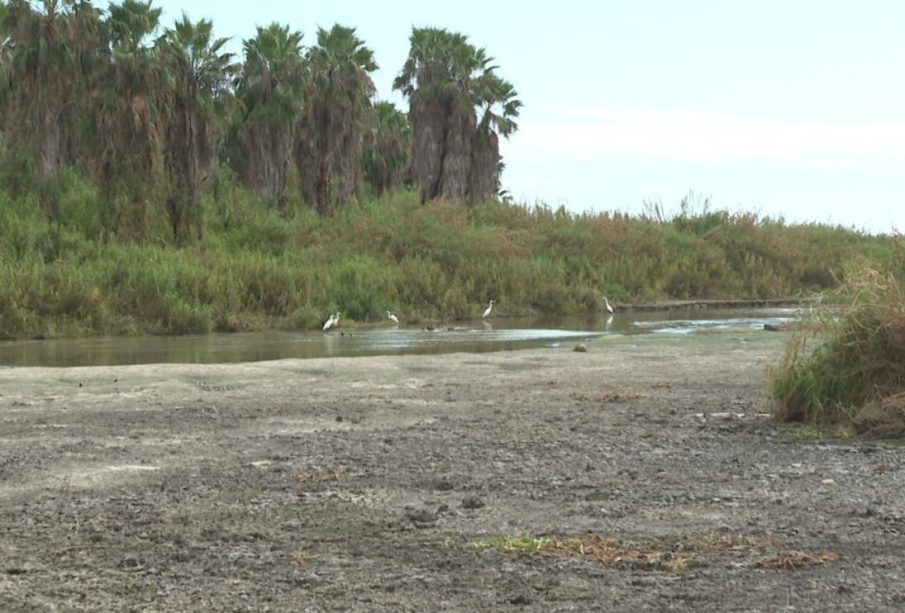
column 501, row 335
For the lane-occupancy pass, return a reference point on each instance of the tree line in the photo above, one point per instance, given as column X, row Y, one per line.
column 147, row 112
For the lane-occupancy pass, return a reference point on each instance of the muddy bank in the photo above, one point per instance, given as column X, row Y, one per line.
column 391, row 483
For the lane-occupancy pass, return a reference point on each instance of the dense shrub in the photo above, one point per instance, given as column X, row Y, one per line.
column 844, row 361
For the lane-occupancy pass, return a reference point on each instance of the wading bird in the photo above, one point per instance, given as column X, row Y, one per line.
column 488, row 309
column 392, row 317
column 331, row 321
column 609, row 309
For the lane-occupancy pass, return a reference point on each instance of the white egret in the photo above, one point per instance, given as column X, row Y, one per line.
column 392, row 317
column 331, row 321
column 488, row 309
column 609, row 309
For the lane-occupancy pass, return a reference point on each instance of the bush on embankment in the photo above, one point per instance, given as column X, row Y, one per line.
column 847, row 366
column 263, row 266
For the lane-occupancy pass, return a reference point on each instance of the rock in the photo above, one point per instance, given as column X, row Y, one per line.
column 472, row 502
column 781, row 327
column 421, row 517
column 443, row 485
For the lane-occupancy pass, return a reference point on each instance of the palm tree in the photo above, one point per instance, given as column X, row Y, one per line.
column 271, row 88
column 446, row 79
column 44, row 84
column 388, row 146
column 340, row 92
column 498, row 108
column 200, row 74
column 436, row 78
column 130, row 122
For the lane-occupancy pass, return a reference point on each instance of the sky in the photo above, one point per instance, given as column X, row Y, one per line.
column 790, row 109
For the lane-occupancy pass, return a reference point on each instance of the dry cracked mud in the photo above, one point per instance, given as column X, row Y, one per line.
column 420, row 483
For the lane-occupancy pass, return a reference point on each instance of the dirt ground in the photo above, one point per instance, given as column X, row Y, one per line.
column 392, row 483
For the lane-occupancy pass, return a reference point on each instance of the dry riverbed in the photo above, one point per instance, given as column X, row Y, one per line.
column 644, row 474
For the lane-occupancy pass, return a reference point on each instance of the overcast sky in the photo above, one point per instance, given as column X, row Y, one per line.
column 792, row 108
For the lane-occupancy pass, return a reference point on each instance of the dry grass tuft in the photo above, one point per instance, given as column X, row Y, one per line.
column 608, row 398
column 796, row 559
column 673, row 556
column 302, row 557
column 321, row 478
column 884, row 418
column 668, row 556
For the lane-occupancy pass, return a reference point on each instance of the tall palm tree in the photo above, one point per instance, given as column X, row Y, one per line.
column 436, row 78
column 130, row 122
column 44, row 85
column 340, row 92
column 200, row 74
column 446, row 79
column 388, row 147
column 271, row 86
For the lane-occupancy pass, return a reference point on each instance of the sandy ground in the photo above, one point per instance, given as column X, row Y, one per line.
column 390, row 483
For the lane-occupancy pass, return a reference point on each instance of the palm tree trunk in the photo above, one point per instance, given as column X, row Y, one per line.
column 428, row 145
column 48, row 168
column 457, row 161
column 322, row 187
column 485, row 163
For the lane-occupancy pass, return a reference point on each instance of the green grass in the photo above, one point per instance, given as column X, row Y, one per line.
column 845, row 357
column 256, row 268
column 811, row 433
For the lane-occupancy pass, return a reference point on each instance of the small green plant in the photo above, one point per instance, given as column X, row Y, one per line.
column 805, row 432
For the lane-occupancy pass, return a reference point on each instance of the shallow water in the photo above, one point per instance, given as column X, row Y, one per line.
column 499, row 334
